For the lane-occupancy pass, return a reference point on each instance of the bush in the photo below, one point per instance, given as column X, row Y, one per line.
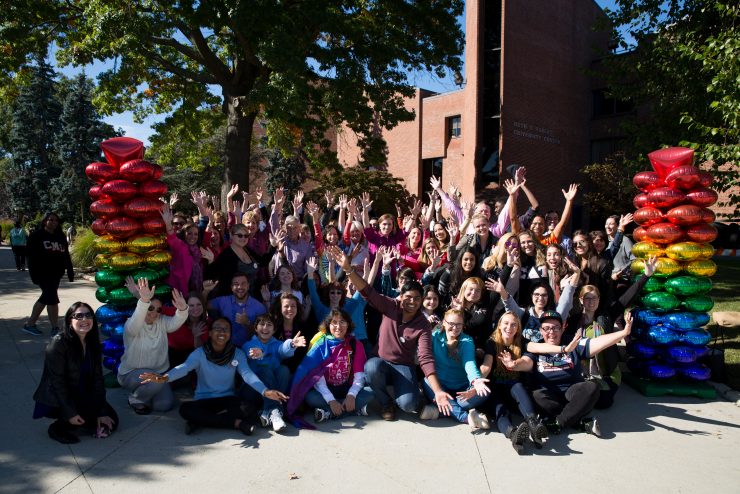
column 5, row 227
column 82, row 250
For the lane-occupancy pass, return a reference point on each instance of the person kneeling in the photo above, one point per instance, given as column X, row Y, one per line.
column 216, row 403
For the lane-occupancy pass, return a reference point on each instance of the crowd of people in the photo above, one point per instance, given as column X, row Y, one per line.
column 455, row 309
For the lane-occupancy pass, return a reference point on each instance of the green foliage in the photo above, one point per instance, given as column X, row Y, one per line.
column 5, row 227
column 82, row 251
column 686, row 72
column 611, row 190
column 385, row 189
column 288, row 172
column 309, row 66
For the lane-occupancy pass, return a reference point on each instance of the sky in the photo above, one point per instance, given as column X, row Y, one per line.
column 143, row 131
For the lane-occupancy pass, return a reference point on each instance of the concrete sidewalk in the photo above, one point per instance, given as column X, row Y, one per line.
column 651, row 444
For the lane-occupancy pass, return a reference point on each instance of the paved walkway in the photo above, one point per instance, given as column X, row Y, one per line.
column 651, row 444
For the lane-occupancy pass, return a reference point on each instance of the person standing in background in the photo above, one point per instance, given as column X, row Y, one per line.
column 18, row 240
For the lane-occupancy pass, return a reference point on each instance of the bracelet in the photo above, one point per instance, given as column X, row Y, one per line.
column 562, row 348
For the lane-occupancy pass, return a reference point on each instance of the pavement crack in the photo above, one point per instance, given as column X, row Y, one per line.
column 482, row 464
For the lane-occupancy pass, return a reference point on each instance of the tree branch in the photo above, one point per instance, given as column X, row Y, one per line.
column 214, row 64
column 185, row 50
column 179, row 71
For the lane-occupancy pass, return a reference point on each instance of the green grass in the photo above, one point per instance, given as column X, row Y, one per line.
column 726, row 295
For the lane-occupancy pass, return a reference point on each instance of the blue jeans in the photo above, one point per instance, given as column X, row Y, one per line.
column 459, row 406
column 505, row 395
column 379, row 373
column 315, row 400
column 278, row 379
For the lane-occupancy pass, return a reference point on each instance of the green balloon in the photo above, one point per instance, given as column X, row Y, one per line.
column 698, row 303
column 688, row 285
column 654, row 284
column 150, row 274
column 108, row 278
column 660, row 301
column 121, row 296
column 102, row 295
column 163, row 290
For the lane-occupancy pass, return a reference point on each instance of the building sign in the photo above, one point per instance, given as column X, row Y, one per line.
column 535, row 132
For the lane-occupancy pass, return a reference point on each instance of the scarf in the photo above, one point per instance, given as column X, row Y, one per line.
column 196, row 277
column 223, row 358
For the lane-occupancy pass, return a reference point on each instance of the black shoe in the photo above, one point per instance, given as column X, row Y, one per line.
column 537, row 430
column 518, row 435
column 140, row 408
column 190, row 427
column 590, row 425
column 553, row 427
column 247, row 427
column 59, row 432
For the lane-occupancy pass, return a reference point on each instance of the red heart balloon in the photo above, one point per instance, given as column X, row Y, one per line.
column 122, row 227
column 664, row 233
column 100, row 172
column 142, row 207
column 137, row 171
column 105, row 208
column 665, row 197
column 153, row 188
column 665, row 160
column 684, row 177
column 119, row 150
column 646, row 181
column 120, row 190
column 647, row 216
column 702, row 197
column 702, row 233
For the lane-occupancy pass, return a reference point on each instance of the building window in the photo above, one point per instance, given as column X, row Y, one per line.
column 605, row 106
column 454, row 126
column 429, row 167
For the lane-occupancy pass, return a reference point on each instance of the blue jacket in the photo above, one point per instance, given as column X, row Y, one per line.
column 273, row 352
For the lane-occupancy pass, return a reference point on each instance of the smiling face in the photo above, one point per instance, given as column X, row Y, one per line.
column 551, row 220
column 331, row 236
column 285, row 276
column 82, row 320
column 540, row 298
column 239, row 236
column 554, row 258
column 431, row 301
column 538, row 226
column 220, row 334
column 240, row 287
column 590, row 301
column 191, row 235
column 289, row 309
column 414, row 238
column 51, row 223
column 440, row 233
column 251, row 225
column 552, row 331
column 293, row 230
column 482, row 208
column 338, row 327
column 599, row 243
column 468, row 262
column 453, row 325
column 386, row 227
column 335, row 296
column 508, row 326
column 355, row 235
column 527, row 244
column 481, row 226
column 410, row 302
column 580, row 245
column 154, row 311
column 471, row 291
column 264, row 330
column 610, row 226
column 195, row 307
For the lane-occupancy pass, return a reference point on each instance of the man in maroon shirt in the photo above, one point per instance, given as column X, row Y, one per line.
column 403, row 333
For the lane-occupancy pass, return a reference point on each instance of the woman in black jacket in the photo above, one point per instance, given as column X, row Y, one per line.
column 71, row 388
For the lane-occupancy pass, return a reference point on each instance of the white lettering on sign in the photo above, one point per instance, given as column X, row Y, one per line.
column 535, row 132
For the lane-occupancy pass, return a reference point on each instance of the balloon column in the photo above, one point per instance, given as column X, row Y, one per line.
column 675, row 225
column 130, row 235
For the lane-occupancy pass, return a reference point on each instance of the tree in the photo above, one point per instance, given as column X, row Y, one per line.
column 308, row 65
column 288, row 172
column 685, row 71
column 35, row 122
column 76, row 144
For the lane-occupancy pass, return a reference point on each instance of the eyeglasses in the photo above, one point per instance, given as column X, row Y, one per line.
column 338, row 323
column 551, row 329
column 220, row 329
column 539, row 295
column 454, row 325
column 82, row 315
column 152, row 309
column 240, row 235
column 590, row 299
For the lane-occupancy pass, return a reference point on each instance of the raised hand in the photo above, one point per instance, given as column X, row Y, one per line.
column 199, row 329
column 365, row 200
column 232, row 191
column 435, row 182
column 298, row 200
column 572, row 191
column 574, row 342
column 265, row 292
column 131, row 286
column 299, row 341
column 329, row 199
column 481, row 389
column 313, row 210
column 510, row 186
column 279, row 196
column 178, row 300
column 343, row 201
column 173, row 199
column 416, row 209
column 209, row 285
column 628, row 320
column 651, row 265
column 312, row 264
column 625, row 220
column 258, row 194
column 352, row 206
column 520, row 175
column 145, row 293
column 342, row 259
column 506, row 360
column 512, row 256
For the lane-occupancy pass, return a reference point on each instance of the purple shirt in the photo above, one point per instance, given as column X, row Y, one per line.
column 228, row 307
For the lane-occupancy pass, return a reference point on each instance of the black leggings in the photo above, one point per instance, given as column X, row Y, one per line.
column 219, row 413
column 570, row 406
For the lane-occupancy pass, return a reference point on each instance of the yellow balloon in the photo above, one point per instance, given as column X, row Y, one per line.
column 707, row 251
column 667, row 267
column 158, row 259
column 645, row 249
column 124, row 261
column 142, row 244
column 102, row 261
column 684, row 251
column 108, row 245
column 638, row 266
column 701, row 267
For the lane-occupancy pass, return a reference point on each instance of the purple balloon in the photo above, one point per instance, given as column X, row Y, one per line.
column 697, row 372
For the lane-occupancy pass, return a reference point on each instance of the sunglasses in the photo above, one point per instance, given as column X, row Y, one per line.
column 240, row 235
column 152, row 309
column 82, row 315
column 178, row 223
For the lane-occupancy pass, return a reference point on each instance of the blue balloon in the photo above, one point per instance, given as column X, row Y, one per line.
column 661, row 335
column 696, row 337
column 648, row 317
column 113, row 347
column 660, row 371
column 702, row 318
column 641, row 350
column 111, row 363
column 106, row 330
column 112, row 315
column 701, row 351
column 681, row 354
column 118, row 330
column 697, row 372
column 682, row 321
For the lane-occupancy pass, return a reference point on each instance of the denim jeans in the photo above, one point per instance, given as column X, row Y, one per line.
column 278, row 379
column 503, row 396
column 315, row 400
column 156, row 395
column 379, row 373
column 460, row 407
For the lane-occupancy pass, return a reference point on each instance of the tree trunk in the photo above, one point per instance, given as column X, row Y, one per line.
column 238, row 143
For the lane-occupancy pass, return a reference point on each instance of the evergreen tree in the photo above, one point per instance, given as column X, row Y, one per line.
column 286, row 172
column 36, row 118
column 76, row 144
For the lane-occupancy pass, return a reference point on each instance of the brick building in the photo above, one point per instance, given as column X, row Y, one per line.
column 526, row 99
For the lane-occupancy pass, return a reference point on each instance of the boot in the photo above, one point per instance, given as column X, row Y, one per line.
column 518, row 435
column 538, row 430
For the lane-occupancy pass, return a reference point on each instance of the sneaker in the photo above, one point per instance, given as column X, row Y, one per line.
column 264, row 419
column 140, row 408
column 362, row 411
column 429, row 412
column 247, row 427
column 553, row 427
column 59, row 432
column 54, row 331
column 518, row 435
column 590, row 425
column 276, row 419
column 477, row 420
column 321, row 415
column 537, row 430
column 32, row 330
column 190, row 427
column 388, row 413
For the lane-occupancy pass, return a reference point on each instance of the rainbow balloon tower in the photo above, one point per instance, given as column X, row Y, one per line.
column 674, row 224
column 130, row 234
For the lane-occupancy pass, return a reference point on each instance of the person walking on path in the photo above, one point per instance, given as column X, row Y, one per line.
column 18, row 240
column 48, row 259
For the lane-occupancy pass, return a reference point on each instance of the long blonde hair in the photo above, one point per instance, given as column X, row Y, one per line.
column 473, row 280
column 497, row 259
column 516, row 347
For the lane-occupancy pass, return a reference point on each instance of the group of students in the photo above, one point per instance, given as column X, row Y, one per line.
column 326, row 310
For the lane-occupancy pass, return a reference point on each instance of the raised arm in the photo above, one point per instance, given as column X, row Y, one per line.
column 567, row 210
